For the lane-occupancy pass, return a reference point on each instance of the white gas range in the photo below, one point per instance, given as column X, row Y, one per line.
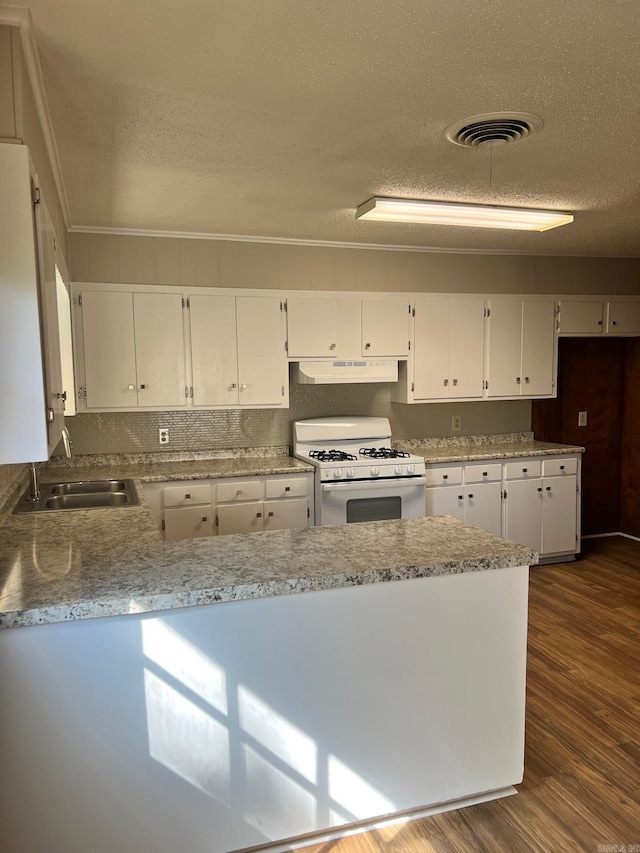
column 359, row 477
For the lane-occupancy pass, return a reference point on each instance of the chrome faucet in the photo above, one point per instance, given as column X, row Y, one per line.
column 66, row 440
column 34, row 491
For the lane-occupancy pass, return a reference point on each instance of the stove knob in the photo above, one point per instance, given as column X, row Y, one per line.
column 375, row 472
column 351, row 472
column 398, row 469
column 411, row 469
column 337, row 473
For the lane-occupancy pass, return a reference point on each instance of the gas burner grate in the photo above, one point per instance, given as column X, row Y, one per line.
column 382, row 453
column 331, row 455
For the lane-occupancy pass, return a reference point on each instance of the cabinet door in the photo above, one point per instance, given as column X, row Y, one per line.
column 483, row 506
column 505, row 349
column 538, row 349
column 385, row 327
column 240, row 518
column 581, row 318
column 158, row 324
column 324, row 328
column 523, row 518
column 50, row 327
column 431, row 349
column 213, row 350
column 187, row 522
column 559, row 514
column 623, row 318
column 261, row 354
column 109, row 349
column 466, row 348
column 282, row 515
column 445, row 500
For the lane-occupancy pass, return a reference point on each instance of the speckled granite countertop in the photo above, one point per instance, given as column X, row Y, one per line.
column 61, row 567
column 477, row 448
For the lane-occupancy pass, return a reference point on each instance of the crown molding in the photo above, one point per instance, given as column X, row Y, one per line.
column 331, row 244
column 20, row 17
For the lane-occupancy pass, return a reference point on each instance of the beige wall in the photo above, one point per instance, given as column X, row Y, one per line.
column 233, row 263
column 7, row 111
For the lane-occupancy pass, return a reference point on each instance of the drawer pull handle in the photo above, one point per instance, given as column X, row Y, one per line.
column 539, row 488
column 238, row 491
column 548, row 488
column 455, row 381
column 204, row 517
column 270, row 514
column 258, row 515
column 287, row 488
column 518, row 379
column 367, row 346
column 524, row 470
column 485, row 473
column 445, row 476
column 526, row 378
column 445, row 382
column 562, row 467
column 470, row 496
column 187, row 497
column 460, row 497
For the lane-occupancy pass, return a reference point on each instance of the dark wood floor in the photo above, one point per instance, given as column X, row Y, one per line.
column 582, row 763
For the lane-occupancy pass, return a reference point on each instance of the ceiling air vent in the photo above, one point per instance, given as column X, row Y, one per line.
column 496, row 128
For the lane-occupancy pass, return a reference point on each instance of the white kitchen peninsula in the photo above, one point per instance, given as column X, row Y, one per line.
column 246, row 689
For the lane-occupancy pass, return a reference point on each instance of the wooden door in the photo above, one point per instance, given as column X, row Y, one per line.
column 590, row 379
column 214, row 358
column 504, row 367
column 109, row 349
column 160, row 357
column 262, row 361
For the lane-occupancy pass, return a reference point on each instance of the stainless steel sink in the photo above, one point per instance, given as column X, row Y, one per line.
column 89, row 494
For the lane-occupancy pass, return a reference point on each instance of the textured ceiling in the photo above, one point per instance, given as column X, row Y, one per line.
column 277, row 118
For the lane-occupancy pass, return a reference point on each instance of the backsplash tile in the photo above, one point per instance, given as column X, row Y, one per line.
column 131, row 432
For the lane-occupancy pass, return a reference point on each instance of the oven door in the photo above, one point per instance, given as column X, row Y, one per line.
column 371, row 500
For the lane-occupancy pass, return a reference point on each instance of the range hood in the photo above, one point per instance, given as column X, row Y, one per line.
column 335, row 372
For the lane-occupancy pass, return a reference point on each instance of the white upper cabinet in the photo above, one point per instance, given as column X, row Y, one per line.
column 133, row 346
column 54, row 387
column 237, row 351
column 323, row 328
column 522, row 348
column 347, row 328
column 581, row 318
column 623, row 318
column 23, row 428
column 385, row 327
column 447, row 359
column 595, row 317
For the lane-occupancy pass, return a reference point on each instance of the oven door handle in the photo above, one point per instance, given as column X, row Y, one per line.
column 362, row 485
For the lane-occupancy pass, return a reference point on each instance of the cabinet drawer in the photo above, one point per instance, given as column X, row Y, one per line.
column 292, row 488
column 242, row 490
column 187, row 494
column 483, row 473
column 523, row 469
column 558, row 467
column 444, row 476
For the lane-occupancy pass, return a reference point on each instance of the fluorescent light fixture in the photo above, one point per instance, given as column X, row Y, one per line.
column 469, row 215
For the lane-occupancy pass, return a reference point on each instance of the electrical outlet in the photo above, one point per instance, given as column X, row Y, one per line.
column 456, row 423
column 163, row 435
column 582, row 418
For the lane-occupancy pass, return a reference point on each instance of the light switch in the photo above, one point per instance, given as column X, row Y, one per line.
column 582, row 418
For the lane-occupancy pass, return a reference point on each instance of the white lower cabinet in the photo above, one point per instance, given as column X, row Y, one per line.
column 475, row 496
column 531, row 501
column 542, row 505
column 224, row 506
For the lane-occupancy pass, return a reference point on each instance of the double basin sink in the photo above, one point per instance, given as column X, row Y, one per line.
column 91, row 494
